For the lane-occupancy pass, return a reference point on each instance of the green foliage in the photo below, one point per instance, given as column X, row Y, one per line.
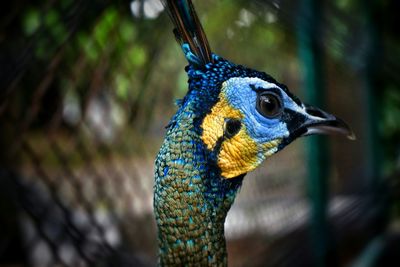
column 31, row 21
column 127, row 31
column 103, row 29
column 137, row 55
column 344, row 4
column 391, row 111
column 390, row 128
column 122, row 84
column 138, row 61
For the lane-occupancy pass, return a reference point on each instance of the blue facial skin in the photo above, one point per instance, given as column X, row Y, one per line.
column 205, row 82
column 241, row 94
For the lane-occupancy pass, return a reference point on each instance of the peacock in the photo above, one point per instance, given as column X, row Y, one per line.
column 231, row 119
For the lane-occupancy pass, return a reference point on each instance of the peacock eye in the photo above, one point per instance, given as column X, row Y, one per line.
column 269, row 104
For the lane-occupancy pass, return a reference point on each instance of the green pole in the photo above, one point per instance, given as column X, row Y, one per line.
column 370, row 8
column 316, row 149
column 374, row 155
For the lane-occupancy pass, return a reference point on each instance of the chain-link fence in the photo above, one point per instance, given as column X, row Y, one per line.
column 86, row 90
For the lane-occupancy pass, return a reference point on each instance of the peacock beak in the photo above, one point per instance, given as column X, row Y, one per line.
column 318, row 121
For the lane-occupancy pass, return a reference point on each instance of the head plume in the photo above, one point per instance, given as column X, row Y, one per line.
column 189, row 32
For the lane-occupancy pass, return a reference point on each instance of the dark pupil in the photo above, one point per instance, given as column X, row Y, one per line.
column 268, row 105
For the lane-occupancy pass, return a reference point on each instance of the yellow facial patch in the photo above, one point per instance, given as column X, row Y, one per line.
column 240, row 153
column 213, row 123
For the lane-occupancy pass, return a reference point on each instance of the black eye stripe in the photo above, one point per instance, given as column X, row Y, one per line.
column 293, row 120
column 283, row 87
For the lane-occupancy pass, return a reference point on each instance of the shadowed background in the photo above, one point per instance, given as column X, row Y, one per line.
column 86, row 89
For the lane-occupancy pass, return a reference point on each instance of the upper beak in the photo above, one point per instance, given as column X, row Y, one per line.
column 320, row 122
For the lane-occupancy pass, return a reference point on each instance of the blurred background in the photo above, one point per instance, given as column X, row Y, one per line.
column 87, row 87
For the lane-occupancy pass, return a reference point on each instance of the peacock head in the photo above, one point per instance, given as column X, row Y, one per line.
column 253, row 116
column 245, row 114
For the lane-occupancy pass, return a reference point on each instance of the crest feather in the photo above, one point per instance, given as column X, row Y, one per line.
column 188, row 29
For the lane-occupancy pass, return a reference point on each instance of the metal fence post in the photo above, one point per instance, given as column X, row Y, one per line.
column 308, row 33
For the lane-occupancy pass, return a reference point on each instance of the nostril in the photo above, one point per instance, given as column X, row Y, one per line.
column 316, row 112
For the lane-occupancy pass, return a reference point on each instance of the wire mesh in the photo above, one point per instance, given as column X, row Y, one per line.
column 59, row 138
column 81, row 120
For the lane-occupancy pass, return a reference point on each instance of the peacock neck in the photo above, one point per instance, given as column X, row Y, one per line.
column 191, row 200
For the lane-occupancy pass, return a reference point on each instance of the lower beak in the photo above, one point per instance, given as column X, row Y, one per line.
column 321, row 122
